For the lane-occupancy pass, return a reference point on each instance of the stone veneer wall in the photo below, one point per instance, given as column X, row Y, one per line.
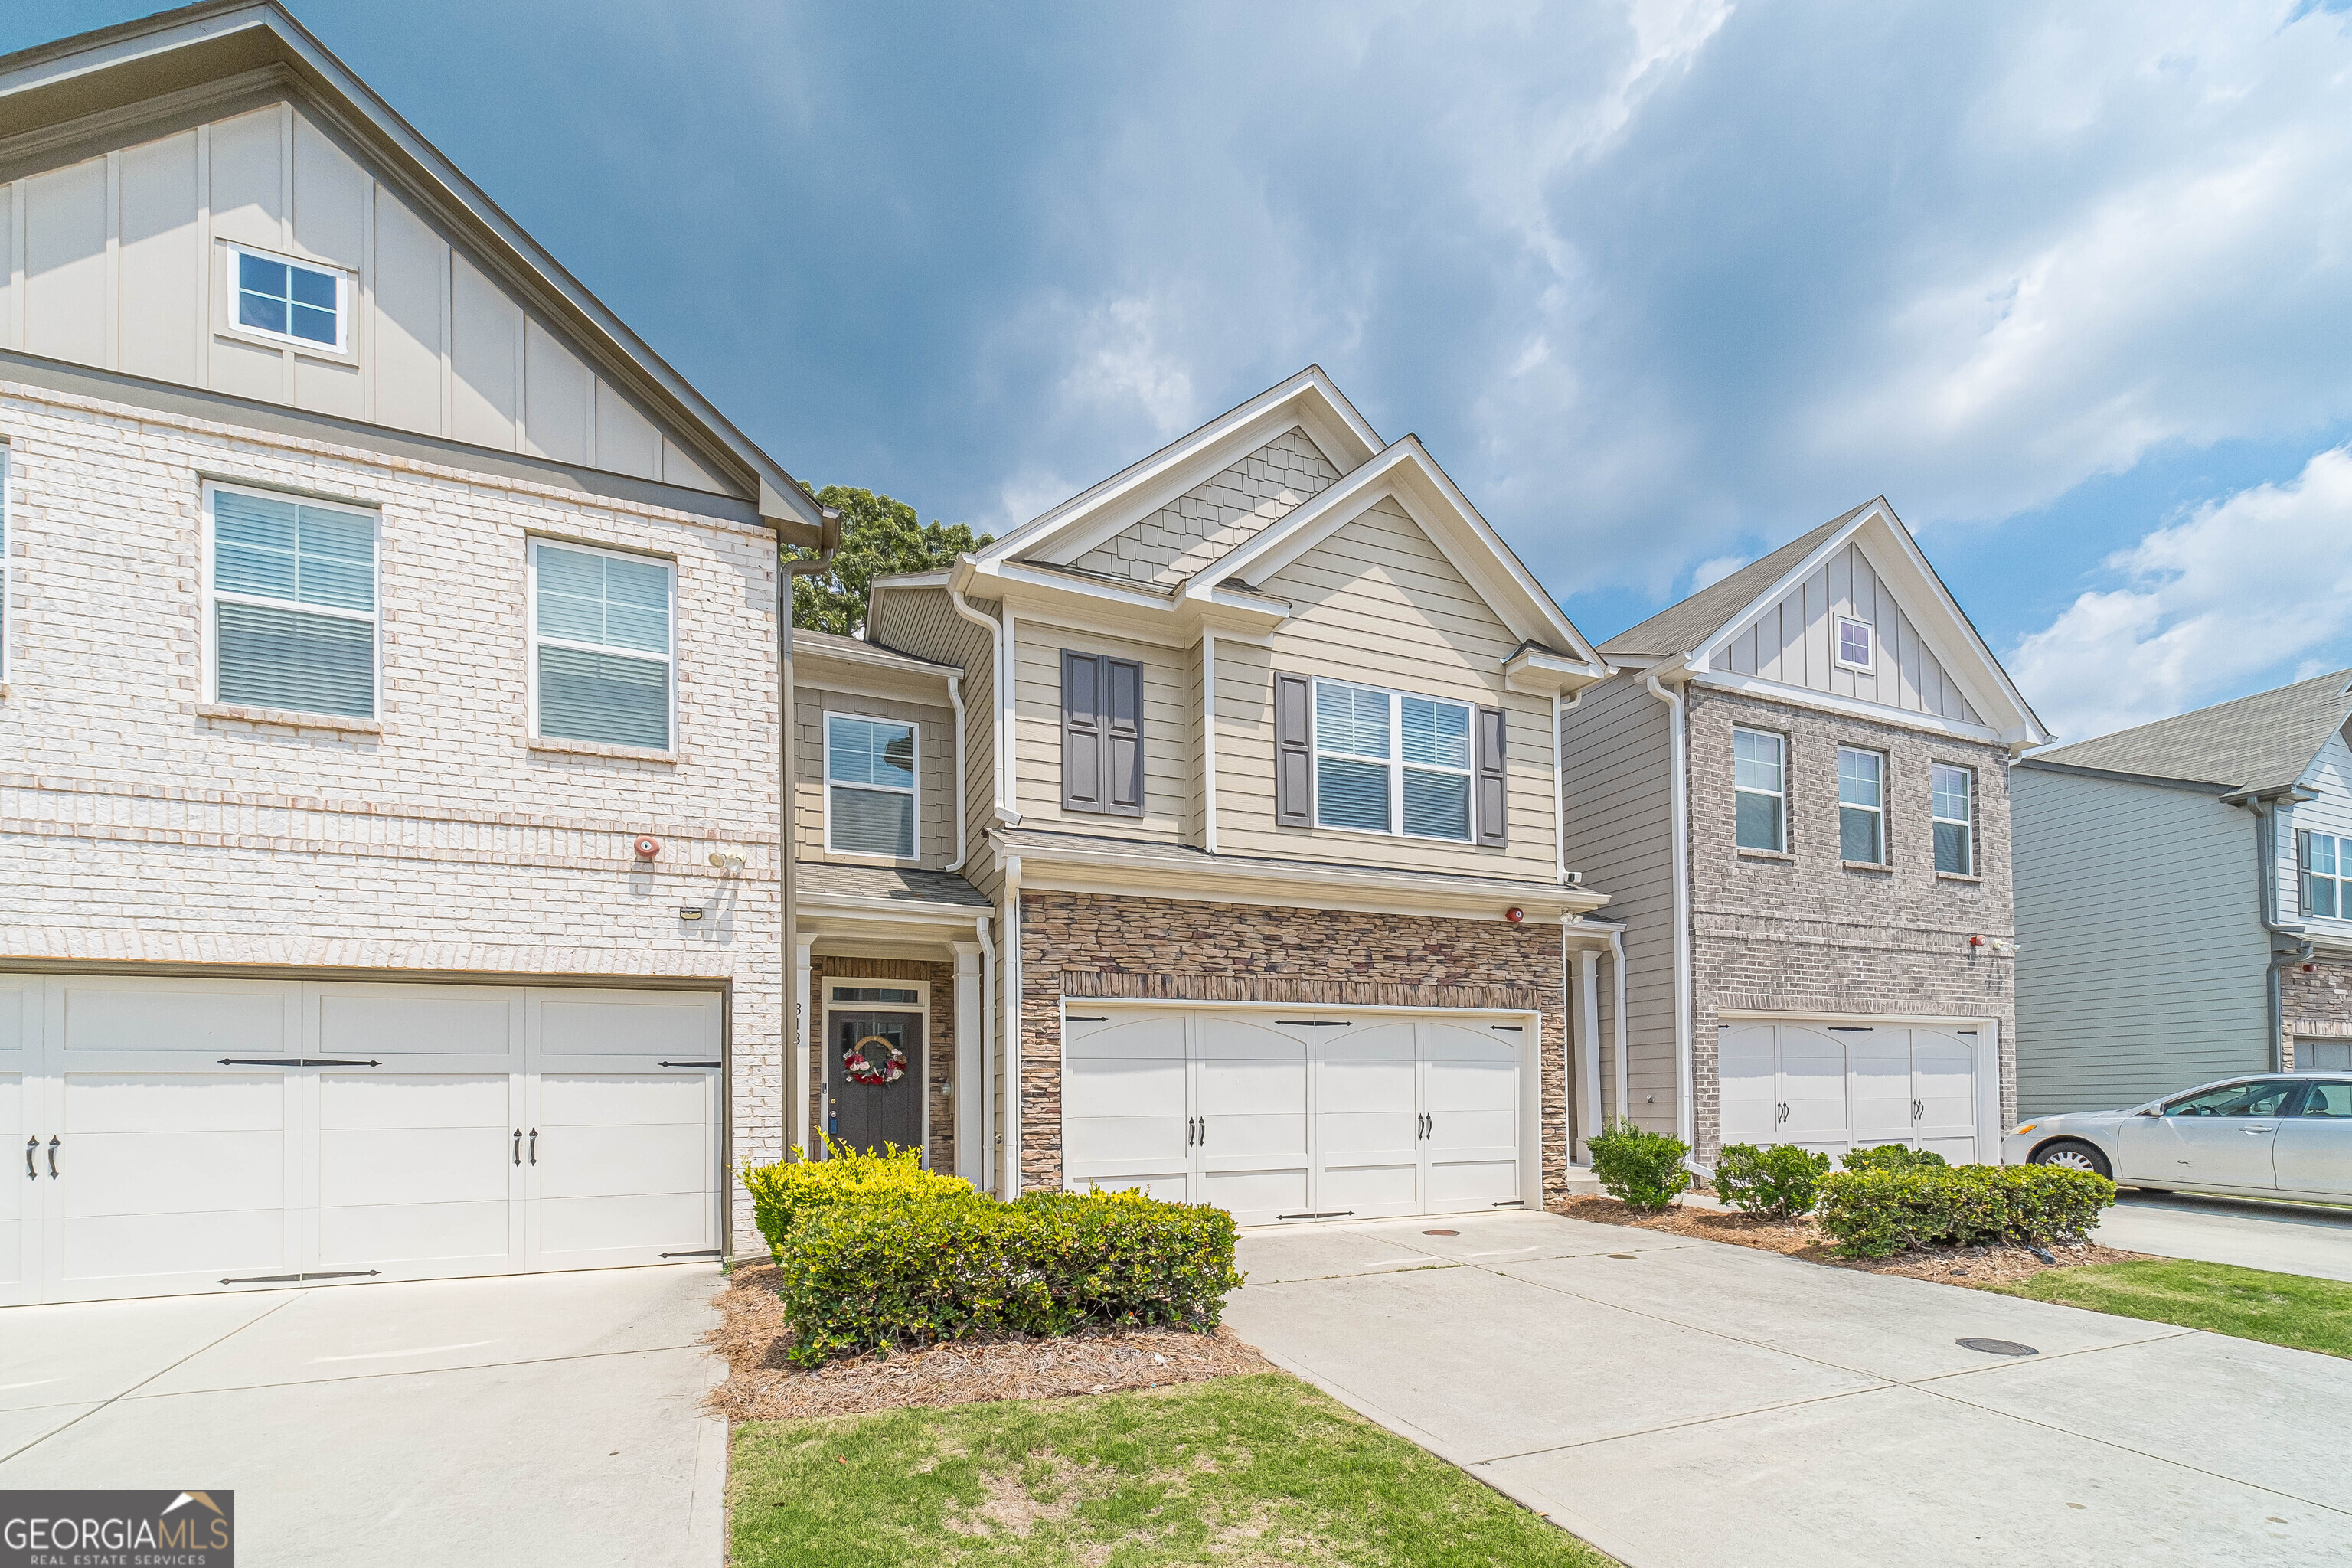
column 2317, row 1005
column 1092, row 944
column 939, row 1038
column 1802, row 933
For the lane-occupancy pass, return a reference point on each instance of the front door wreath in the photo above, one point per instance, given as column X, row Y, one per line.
column 864, row 1064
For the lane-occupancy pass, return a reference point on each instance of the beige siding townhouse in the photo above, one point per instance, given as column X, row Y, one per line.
column 388, row 664
column 1262, row 796
column 1796, row 787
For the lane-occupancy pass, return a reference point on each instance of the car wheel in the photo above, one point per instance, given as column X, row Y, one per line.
column 2071, row 1154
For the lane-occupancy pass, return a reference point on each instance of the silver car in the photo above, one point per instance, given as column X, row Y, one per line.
column 2277, row 1135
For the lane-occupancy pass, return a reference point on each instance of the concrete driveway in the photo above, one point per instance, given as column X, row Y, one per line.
column 542, row 1418
column 2289, row 1238
column 1687, row 1403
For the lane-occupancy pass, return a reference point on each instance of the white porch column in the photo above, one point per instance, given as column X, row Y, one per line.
column 968, row 1096
column 797, row 1078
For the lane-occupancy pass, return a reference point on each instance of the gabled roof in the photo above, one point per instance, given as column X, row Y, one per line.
column 809, row 644
column 1685, row 634
column 2256, row 745
column 112, row 70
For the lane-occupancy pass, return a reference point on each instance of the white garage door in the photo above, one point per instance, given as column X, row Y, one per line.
column 193, row 1135
column 1833, row 1087
column 1297, row 1114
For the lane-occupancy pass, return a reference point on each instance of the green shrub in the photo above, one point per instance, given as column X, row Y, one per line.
column 1875, row 1213
column 1891, row 1157
column 868, row 1275
column 1779, row 1183
column 785, row 1193
column 1642, row 1170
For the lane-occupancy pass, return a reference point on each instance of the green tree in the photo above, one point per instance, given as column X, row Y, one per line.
column 879, row 536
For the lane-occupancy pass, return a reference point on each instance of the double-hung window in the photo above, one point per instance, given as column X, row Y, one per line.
column 1862, row 806
column 600, row 655
column 292, row 617
column 2326, row 873
column 1760, row 780
column 869, row 786
column 1388, row 762
column 307, row 306
column 1952, row 799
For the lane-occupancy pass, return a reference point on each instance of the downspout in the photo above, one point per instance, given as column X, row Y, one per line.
column 794, row 1016
column 1209, row 741
column 1011, row 1188
column 1004, row 812
column 1560, row 786
column 988, row 1044
column 955, row 701
column 1617, row 979
column 2266, row 890
column 1685, row 1118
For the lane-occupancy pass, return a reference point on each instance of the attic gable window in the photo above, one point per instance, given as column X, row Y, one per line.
column 1857, row 645
column 294, row 302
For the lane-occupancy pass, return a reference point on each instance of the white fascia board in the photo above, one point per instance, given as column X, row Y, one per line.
column 1137, row 614
column 1545, row 674
column 1068, row 530
column 1850, row 707
column 871, row 681
column 877, row 658
column 843, row 915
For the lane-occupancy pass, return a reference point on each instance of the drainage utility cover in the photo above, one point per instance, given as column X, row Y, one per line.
column 1440, row 1233
column 1997, row 1347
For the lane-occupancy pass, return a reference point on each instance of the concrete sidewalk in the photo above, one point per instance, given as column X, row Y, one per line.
column 532, row 1419
column 1680, row 1403
column 2287, row 1238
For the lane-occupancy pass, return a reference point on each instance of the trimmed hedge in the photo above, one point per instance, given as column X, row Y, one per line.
column 1892, row 1157
column 871, row 1276
column 783, row 1193
column 1779, row 1183
column 1875, row 1213
column 1641, row 1170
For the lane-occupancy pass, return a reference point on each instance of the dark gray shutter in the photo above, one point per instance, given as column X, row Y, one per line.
column 1293, row 752
column 2303, row 871
column 1494, row 793
column 1122, row 730
column 1082, row 736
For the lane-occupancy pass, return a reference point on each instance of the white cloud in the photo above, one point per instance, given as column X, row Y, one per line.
column 2253, row 586
column 1709, row 572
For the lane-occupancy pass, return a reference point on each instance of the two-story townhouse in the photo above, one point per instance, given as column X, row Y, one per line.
column 2184, row 902
column 1796, row 790
column 1263, row 793
column 388, row 753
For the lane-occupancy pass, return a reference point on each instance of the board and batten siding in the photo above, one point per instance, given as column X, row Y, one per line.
column 2141, row 963
column 120, row 261
column 1168, row 720
column 1795, row 640
column 1617, row 778
column 935, row 837
column 2329, row 777
column 1378, row 604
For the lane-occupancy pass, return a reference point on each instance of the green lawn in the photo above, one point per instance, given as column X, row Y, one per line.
column 1240, row 1471
column 2284, row 1308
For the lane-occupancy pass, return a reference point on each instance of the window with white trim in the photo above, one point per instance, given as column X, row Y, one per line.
column 1857, row 645
column 1388, row 762
column 1759, row 790
column 869, row 786
column 2327, row 864
column 1862, row 806
column 601, row 645
column 1952, row 810
column 291, row 621
column 293, row 301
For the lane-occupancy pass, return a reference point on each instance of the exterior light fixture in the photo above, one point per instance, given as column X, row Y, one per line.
column 725, row 861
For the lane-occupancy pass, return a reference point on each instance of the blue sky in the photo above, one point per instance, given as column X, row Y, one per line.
column 1661, row 284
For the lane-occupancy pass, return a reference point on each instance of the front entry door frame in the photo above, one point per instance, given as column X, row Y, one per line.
column 1989, row 1049
column 829, row 1057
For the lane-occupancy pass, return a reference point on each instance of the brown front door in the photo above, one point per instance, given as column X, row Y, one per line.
column 866, row 1116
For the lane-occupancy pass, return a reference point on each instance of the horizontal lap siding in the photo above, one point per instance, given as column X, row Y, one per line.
column 934, row 770
column 1377, row 603
column 1167, row 720
column 923, row 622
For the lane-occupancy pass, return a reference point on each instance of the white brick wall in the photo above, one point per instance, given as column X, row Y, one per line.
column 134, row 829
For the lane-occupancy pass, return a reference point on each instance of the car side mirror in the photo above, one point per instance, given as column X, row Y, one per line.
column 2151, row 1110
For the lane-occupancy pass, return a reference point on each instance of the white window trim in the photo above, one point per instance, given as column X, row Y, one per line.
column 1886, row 851
column 1967, row 824
column 1396, row 764
column 1781, row 743
column 345, row 292
column 532, row 544
column 209, row 596
column 915, row 790
column 2340, row 877
column 1837, row 646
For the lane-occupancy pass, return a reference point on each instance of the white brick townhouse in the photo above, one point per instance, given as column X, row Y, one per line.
column 388, row 745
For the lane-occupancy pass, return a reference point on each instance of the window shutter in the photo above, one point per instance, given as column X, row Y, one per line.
column 1293, row 752
column 1494, row 793
column 2303, row 871
column 1082, row 736
column 1122, row 737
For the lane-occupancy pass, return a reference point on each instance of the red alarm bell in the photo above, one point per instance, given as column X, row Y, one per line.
column 647, row 847
column 1515, row 914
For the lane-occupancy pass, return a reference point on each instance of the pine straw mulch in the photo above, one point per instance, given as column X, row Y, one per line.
column 762, row 1385
column 1974, row 1266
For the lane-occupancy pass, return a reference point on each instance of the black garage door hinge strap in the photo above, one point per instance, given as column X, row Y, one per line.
column 705, row 1252
column 298, row 1278
column 290, row 1062
column 693, row 1064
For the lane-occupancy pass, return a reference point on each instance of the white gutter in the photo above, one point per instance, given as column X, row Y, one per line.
column 1685, row 1119
column 998, row 637
column 1011, row 1188
column 962, row 813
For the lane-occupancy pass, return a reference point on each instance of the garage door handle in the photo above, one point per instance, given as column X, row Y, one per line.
column 518, row 1146
column 53, row 1159
column 534, row 1145
column 30, row 1173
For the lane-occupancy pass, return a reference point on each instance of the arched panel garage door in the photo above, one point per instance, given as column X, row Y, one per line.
column 1836, row 1085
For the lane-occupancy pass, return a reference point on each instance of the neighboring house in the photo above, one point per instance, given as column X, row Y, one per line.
column 2184, row 902
column 1797, row 795
column 388, row 813
column 1262, row 785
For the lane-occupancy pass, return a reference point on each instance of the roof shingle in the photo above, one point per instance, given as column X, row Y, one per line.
column 2259, row 743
